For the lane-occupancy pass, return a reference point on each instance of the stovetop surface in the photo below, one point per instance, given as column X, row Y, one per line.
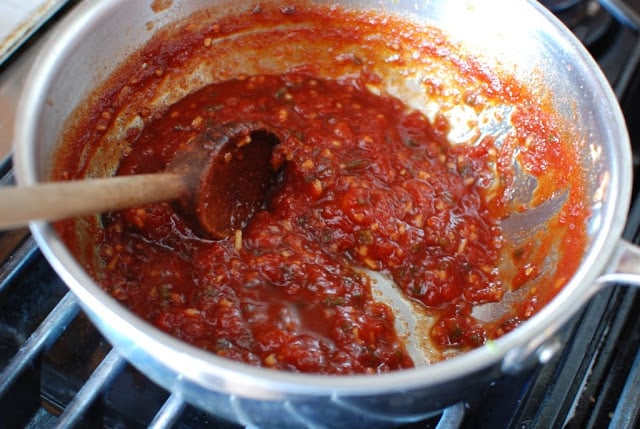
column 592, row 383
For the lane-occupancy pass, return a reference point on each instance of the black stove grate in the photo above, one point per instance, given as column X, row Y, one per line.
column 56, row 370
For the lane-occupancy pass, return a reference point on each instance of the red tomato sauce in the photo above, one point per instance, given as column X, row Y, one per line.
column 368, row 184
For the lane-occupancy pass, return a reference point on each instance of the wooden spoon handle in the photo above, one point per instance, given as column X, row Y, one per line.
column 61, row 200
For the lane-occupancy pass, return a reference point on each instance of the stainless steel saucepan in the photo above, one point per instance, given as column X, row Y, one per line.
column 517, row 36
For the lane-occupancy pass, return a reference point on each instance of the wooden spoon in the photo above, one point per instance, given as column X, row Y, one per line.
column 217, row 182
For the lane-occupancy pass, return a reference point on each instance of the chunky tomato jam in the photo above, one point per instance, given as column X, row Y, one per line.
column 369, row 185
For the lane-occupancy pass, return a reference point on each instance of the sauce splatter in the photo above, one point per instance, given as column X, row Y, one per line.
column 161, row 5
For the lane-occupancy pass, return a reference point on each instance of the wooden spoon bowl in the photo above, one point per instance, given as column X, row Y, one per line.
column 218, row 180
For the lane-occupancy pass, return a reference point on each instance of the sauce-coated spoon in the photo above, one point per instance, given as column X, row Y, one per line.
column 217, row 181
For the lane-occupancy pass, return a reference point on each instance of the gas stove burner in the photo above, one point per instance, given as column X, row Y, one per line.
column 573, row 13
column 560, row 5
column 587, row 19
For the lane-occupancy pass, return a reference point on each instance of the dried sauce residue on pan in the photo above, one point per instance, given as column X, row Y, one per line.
column 371, row 182
column 161, row 5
